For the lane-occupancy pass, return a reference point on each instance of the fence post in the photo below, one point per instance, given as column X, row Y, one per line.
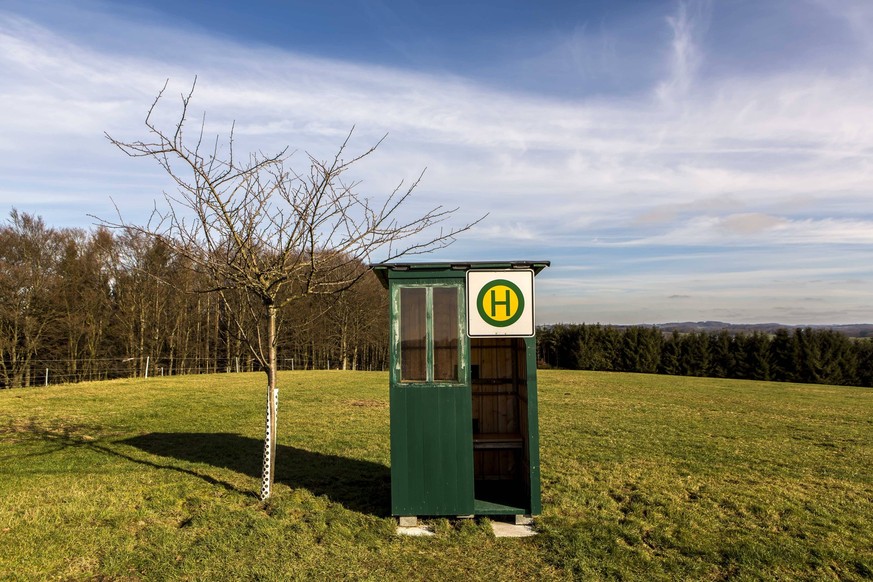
column 148, row 358
column 46, row 376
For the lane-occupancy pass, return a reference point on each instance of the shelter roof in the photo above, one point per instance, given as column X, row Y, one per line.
column 382, row 269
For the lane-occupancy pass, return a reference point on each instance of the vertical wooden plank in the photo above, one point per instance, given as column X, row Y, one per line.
column 504, row 404
column 524, row 359
column 533, row 436
column 484, row 388
column 475, row 360
column 505, row 370
column 454, row 422
column 415, row 460
column 400, row 485
column 512, row 424
column 463, row 451
column 436, row 422
column 495, row 389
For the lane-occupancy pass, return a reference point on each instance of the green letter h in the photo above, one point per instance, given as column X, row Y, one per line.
column 495, row 303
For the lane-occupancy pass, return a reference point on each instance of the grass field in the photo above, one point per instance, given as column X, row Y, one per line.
column 644, row 477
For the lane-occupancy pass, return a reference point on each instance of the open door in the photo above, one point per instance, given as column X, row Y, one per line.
column 501, row 455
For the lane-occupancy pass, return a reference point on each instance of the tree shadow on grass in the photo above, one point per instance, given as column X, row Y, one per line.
column 361, row 486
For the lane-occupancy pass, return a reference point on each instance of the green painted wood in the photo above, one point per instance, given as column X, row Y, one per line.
column 431, row 430
column 533, row 423
column 431, row 423
column 437, row 270
column 429, row 325
column 487, row 508
column 402, row 447
column 431, row 451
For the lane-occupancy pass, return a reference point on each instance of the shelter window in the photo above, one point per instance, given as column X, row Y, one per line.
column 413, row 334
column 430, row 333
column 445, row 333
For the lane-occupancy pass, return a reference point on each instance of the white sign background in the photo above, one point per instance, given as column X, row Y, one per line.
column 477, row 326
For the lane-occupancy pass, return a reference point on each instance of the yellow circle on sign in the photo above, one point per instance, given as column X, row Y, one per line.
column 500, row 303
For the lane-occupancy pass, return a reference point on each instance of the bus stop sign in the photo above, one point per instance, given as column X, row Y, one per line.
column 500, row 303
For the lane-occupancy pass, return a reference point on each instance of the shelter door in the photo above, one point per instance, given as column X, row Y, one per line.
column 431, row 432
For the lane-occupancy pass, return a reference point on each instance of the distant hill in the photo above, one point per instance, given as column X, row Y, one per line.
column 860, row 330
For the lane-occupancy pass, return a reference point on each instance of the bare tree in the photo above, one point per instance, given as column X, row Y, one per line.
column 29, row 253
column 258, row 227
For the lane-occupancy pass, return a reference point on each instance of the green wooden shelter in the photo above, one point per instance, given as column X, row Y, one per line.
column 463, row 388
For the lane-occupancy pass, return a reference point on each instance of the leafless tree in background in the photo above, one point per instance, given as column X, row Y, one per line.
column 259, row 229
column 28, row 255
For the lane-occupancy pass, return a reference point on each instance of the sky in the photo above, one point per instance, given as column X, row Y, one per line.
column 674, row 160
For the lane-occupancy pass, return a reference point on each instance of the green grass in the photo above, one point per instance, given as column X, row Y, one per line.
column 644, row 477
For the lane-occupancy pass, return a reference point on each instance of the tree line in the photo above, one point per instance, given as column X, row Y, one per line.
column 79, row 304
column 808, row 355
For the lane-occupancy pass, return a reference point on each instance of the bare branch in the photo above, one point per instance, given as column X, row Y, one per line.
column 266, row 235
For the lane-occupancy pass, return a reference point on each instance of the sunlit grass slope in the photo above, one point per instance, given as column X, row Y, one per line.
column 644, row 477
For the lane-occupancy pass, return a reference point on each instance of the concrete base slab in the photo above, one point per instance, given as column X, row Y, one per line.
column 419, row 530
column 523, row 520
column 510, row 530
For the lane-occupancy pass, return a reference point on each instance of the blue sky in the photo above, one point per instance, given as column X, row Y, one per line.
column 674, row 160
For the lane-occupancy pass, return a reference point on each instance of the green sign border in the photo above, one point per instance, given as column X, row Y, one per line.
column 487, row 318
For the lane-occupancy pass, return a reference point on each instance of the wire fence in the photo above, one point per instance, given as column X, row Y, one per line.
column 44, row 372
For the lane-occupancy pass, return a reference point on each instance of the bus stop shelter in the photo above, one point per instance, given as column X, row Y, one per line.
column 463, row 388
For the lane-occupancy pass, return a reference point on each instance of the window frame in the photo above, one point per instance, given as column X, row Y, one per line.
column 463, row 340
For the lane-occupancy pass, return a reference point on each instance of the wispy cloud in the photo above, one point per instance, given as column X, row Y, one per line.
column 746, row 165
column 687, row 25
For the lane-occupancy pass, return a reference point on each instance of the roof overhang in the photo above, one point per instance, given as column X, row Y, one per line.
column 382, row 270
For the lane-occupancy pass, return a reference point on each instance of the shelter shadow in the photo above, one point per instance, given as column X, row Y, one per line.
column 361, row 486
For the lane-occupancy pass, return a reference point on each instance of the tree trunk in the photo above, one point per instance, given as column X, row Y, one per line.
column 344, row 349
column 272, row 408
